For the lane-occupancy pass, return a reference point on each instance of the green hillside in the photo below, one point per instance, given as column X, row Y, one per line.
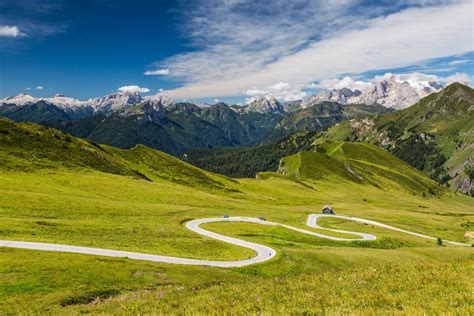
column 436, row 135
column 56, row 188
column 30, row 147
column 360, row 163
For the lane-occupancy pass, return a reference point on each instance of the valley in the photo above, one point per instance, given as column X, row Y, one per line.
column 434, row 135
column 242, row 157
column 63, row 190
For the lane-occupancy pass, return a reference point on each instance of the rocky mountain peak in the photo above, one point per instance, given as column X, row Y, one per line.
column 266, row 105
column 388, row 92
column 162, row 99
column 116, row 101
column 20, row 99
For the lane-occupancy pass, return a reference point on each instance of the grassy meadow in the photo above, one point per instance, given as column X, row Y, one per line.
column 139, row 202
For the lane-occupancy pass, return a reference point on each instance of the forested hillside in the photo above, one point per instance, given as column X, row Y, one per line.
column 246, row 162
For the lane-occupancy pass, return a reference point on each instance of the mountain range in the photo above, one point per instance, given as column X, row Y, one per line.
column 75, row 107
column 435, row 135
column 125, row 119
column 391, row 93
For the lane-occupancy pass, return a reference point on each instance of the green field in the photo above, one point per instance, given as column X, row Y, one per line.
column 58, row 189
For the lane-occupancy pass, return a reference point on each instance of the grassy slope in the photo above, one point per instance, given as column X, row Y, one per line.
column 108, row 200
column 30, row 147
column 361, row 163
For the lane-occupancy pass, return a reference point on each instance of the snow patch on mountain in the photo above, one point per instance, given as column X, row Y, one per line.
column 116, row 101
column 120, row 100
column 21, row 99
column 64, row 102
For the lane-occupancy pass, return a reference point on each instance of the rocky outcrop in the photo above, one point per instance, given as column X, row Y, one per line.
column 266, row 105
column 464, row 184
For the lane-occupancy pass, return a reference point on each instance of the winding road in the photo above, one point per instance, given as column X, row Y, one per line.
column 264, row 253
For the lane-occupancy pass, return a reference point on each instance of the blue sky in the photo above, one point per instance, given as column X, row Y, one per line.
column 229, row 50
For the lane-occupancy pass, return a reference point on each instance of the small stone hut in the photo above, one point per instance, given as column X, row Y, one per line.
column 327, row 209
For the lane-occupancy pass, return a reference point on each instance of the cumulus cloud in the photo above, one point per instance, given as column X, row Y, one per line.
column 255, row 92
column 458, row 77
column 133, row 89
column 39, row 88
column 157, row 72
column 10, row 31
column 282, row 91
column 243, row 49
column 346, row 82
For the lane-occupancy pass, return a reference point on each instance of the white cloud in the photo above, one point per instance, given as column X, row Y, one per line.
column 458, row 77
column 414, row 76
column 10, row 31
column 281, row 86
column 236, row 37
column 459, row 62
column 28, row 88
column 282, row 91
column 39, row 88
column 248, row 59
column 346, row 82
column 133, row 89
column 253, row 92
column 158, row 72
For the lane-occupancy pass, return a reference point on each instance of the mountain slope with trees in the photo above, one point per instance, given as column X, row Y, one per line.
column 436, row 135
column 246, row 162
column 177, row 127
column 294, row 132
